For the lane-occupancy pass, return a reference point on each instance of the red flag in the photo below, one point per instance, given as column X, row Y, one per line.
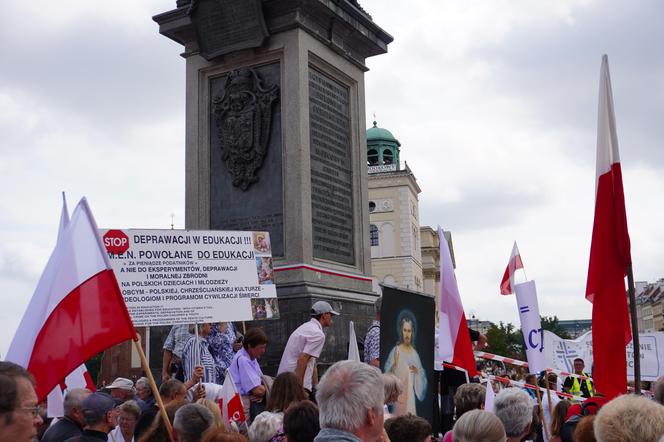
column 454, row 344
column 77, row 309
column 507, row 284
column 230, row 402
column 609, row 254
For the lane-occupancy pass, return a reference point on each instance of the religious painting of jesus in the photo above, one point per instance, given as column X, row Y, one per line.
column 406, row 343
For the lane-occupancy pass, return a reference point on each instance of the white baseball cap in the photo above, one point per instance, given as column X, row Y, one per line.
column 321, row 307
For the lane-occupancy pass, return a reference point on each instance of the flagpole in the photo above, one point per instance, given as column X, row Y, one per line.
column 197, row 351
column 541, row 412
column 548, row 392
column 155, row 390
column 636, row 354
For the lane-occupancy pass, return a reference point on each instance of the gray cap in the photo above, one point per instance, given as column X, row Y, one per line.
column 321, row 307
column 96, row 406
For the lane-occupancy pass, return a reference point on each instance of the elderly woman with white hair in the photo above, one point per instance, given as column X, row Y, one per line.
column 630, row 418
column 265, row 426
column 478, row 425
column 514, row 408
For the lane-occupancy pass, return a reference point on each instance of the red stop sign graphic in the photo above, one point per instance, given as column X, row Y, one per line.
column 116, row 242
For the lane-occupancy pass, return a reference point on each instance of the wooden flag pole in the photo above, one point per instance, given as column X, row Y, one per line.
column 155, row 391
column 548, row 393
column 636, row 349
column 541, row 412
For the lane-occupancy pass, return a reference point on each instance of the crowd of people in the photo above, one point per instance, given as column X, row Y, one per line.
column 353, row 401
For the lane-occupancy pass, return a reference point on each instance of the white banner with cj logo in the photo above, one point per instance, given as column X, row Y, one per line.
column 531, row 325
column 560, row 353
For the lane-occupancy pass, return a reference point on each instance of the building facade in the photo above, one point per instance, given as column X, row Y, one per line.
column 650, row 306
column 396, row 257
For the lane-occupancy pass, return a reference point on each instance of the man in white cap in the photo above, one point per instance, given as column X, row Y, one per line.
column 123, row 389
column 305, row 345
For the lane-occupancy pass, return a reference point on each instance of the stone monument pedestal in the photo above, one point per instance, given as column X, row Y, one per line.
column 275, row 141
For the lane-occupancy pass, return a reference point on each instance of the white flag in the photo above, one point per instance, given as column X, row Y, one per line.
column 490, row 396
column 531, row 325
column 353, row 351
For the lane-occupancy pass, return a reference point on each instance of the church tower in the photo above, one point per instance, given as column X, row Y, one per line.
column 396, row 257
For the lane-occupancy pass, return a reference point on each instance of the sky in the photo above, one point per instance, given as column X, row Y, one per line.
column 494, row 103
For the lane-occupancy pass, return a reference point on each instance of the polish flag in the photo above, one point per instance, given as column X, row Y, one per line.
column 79, row 378
column 77, row 309
column 610, row 254
column 230, row 402
column 507, row 284
column 454, row 344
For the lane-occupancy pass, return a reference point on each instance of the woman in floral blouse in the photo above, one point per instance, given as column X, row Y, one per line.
column 224, row 343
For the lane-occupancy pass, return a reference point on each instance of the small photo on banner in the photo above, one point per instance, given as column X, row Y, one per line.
column 406, row 348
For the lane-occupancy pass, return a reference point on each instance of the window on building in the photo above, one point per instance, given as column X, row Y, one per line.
column 388, row 158
column 372, row 157
column 373, row 234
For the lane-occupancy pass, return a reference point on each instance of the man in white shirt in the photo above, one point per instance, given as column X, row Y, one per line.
column 305, row 345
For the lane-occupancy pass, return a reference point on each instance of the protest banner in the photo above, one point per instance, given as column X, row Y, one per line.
column 186, row 276
column 560, row 353
column 531, row 325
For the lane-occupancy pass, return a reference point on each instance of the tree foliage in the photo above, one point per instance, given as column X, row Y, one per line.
column 551, row 323
column 506, row 340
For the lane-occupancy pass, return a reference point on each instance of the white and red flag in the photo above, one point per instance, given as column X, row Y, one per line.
column 79, row 378
column 77, row 309
column 454, row 344
column 515, row 262
column 230, row 402
column 610, row 254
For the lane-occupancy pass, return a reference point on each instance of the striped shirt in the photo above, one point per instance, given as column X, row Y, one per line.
column 207, row 361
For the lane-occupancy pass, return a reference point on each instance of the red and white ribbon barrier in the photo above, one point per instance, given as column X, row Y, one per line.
column 516, row 362
column 503, row 359
column 508, row 381
column 513, row 383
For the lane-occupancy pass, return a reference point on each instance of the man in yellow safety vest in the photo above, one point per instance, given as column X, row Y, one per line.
column 576, row 386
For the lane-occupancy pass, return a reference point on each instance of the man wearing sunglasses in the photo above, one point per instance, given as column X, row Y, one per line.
column 19, row 413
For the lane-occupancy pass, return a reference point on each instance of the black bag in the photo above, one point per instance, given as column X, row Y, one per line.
column 256, row 408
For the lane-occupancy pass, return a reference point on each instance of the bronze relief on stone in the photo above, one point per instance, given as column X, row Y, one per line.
column 243, row 117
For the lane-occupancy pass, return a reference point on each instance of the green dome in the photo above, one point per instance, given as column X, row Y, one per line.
column 376, row 133
column 382, row 147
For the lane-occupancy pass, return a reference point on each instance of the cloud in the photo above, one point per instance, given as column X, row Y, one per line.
column 493, row 101
column 104, row 71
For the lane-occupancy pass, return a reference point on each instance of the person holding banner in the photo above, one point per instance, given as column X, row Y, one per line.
column 177, row 337
column 196, row 352
column 224, row 343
